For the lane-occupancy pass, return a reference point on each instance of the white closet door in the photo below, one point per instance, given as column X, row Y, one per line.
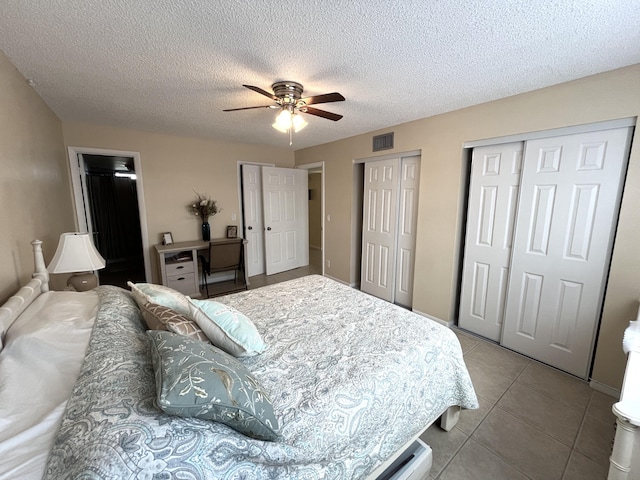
column 379, row 229
column 286, row 218
column 493, row 196
column 566, row 219
column 253, row 224
column 407, row 221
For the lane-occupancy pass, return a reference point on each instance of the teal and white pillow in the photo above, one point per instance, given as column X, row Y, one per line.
column 144, row 293
column 226, row 328
column 196, row 379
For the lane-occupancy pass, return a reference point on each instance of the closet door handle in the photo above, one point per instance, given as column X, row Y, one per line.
column 268, row 228
column 249, row 227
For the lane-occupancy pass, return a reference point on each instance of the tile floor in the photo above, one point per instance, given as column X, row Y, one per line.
column 534, row 422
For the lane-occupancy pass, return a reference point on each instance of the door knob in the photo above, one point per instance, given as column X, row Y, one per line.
column 268, row 228
column 249, row 227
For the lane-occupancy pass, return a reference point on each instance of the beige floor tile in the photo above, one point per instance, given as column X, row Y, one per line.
column 551, row 416
column 487, row 383
column 581, row 468
column 470, row 419
column 474, row 462
column 558, row 385
column 498, row 360
column 526, row 448
column 467, row 342
column 444, row 445
column 594, row 439
column 600, row 407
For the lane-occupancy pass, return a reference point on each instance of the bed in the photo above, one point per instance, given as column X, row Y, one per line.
column 351, row 381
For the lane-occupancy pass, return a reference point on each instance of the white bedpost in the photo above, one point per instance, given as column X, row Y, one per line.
column 449, row 418
column 627, row 410
column 40, row 269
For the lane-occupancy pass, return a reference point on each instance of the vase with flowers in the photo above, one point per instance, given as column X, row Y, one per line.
column 204, row 207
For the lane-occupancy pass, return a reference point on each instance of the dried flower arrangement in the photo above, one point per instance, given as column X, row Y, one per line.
column 203, row 207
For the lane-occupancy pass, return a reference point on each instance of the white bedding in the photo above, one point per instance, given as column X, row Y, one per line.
column 39, row 365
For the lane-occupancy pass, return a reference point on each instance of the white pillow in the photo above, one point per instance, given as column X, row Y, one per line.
column 226, row 328
column 144, row 293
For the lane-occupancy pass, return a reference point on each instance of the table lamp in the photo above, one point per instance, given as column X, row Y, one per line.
column 76, row 254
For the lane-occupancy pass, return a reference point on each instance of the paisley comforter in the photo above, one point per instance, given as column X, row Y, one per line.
column 352, row 378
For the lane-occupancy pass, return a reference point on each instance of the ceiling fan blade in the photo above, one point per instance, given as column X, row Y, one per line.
column 246, row 108
column 261, row 91
column 326, row 98
column 322, row 113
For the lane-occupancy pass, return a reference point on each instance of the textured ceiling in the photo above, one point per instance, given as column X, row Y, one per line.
column 173, row 66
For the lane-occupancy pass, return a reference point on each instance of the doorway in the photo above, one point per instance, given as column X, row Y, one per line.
column 108, row 197
column 274, row 218
column 316, row 215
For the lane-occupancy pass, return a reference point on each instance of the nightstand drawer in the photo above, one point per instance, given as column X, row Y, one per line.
column 183, row 283
column 179, row 268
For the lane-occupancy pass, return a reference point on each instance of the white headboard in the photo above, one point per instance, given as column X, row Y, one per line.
column 27, row 294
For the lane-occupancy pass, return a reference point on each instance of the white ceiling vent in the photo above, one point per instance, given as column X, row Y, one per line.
column 383, row 142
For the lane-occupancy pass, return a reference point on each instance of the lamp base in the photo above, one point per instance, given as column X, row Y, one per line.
column 81, row 282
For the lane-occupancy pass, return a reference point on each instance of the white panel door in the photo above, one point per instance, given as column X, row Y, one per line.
column 286, row 218
column 569, row 198
column 253, row 223
column 407, row 220
column 379, row 229
column 493, row 196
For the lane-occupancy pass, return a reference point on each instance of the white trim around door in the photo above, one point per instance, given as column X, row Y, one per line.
column 320, row 166
column 81, row 217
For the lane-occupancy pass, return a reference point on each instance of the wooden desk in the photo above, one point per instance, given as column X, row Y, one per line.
column 179, row 263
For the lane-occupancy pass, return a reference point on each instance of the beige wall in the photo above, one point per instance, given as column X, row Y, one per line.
column 34, row 186
column 607, row 96
column 173, row 167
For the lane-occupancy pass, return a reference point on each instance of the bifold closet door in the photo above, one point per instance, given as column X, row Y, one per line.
column 493, row 196
column 379, row 230
column 390, row 216
column 407, row 221
column 567, row 213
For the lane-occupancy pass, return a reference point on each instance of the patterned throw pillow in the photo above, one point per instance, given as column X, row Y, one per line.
column 227, row 328
column 159, row 317
column 168, row 297
column 195, row 379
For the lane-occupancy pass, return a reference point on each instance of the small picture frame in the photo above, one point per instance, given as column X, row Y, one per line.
column 167, row 238
column 232, row 231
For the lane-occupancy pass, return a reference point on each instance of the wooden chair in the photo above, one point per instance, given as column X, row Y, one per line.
column 224, row 256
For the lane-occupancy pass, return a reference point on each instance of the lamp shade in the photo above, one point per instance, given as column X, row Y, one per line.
column 75, row 253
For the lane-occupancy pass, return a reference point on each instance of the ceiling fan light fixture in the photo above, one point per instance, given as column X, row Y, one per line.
column 283, row 121
column 298, row 122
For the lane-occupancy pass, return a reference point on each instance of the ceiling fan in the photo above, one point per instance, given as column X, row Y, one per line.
column 287, row 96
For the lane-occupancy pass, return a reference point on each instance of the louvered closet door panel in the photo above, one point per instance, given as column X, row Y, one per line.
column 562, row 246
column 493, row 195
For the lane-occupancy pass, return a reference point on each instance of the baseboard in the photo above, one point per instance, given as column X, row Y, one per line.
column 606, row 389
column 337, row 280
column 435, row 319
